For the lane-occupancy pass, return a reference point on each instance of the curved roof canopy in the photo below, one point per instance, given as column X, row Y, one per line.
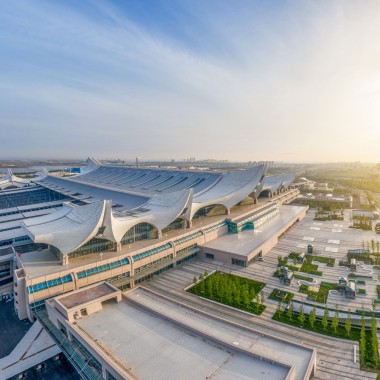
column 67, row 229
column 276, row 182
column 117, row 198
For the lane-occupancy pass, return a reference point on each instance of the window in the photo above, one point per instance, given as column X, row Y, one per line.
column 238, row 262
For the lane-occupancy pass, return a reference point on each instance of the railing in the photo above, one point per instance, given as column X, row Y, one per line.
column 84, row 365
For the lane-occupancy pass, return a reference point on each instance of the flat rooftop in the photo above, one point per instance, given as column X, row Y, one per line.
column 245, row 242
column 149, row 345
column 86, row 295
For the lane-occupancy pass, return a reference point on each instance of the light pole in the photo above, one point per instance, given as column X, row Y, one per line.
column 101, row 256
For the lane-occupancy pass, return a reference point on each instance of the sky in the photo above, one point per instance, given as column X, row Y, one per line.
column 238, row 80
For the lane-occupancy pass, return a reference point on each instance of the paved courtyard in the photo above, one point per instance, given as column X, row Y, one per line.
column 331, row 239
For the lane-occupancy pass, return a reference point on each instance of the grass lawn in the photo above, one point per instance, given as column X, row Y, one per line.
column 308, row 267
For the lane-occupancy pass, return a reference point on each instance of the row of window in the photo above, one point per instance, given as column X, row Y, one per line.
column 161, row 248
column 125, row 261
column 255, row 215
column 103, row 268
column 188, row 237
column 49, row 284
column 212, row 228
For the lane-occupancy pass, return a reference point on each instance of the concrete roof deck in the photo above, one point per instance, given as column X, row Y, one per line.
column 261, row 344
column 86, row 295
column 247, row 241
column 149, row 346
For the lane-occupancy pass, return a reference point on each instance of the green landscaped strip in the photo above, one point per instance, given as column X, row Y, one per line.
column 369, row 362
column 324, row 260
column 353, row 275
column 304, row 278
column 318, row 328
column 228, row 289
column 281, row 295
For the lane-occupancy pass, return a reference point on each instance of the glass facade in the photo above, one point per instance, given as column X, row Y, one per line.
column 141, row 231
column 93, row 246
column 176, row 225
column 29, row 197
column 210, row 211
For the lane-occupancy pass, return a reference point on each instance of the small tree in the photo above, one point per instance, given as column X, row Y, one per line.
column 279, row 308
column 312, row 317
column 362, row 342
column 245, row 298
column 325, row 321
column 262, row 298
column 375, row 342
column 374, row 303
column 377, row 247
column 252, row 294
column 209, row 287
column 290, row 311
column 202, row 286
column 335, row 320
column 221, row 290
column 205, row 274
column 257, row 301
column 237, row 297
column 194, row 280
column 347, row 324
column 301, row 316
column 229, row 295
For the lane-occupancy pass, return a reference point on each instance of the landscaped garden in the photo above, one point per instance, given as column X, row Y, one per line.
column 228, row 289
column 333, row 326
column 327, row 211
column 308, row 267
column 318, row 296
column 281, row 295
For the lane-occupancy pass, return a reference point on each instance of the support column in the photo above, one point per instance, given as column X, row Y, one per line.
column 118, row 247
column 159, row 234
column 228, row 211
column 189, row 224
column 65, row 260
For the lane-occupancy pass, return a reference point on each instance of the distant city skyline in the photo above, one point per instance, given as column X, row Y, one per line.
column 268, row 80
